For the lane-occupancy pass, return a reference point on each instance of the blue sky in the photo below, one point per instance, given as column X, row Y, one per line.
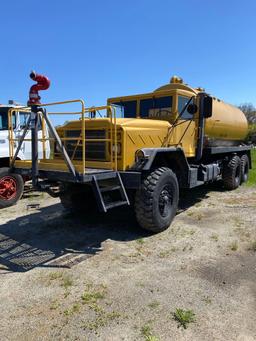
column 100, row 49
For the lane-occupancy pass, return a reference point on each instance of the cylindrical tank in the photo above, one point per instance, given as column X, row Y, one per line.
column 227, row 125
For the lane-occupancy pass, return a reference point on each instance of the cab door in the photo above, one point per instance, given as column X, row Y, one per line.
column 185, row 131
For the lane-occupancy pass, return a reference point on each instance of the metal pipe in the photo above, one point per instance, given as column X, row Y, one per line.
column 34, row 145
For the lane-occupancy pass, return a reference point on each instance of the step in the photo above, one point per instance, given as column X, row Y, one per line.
column 110, row 188
column 116, row 204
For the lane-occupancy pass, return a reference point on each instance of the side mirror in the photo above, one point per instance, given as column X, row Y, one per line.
column 207, row 106
column 192, row 109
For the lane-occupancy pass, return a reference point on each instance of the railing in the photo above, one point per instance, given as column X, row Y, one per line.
column 81, row 140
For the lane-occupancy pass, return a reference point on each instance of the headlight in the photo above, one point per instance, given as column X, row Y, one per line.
column 116, row 148
column 139, row 155
column 2, row 141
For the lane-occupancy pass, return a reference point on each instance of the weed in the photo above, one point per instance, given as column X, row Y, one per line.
column 140, row 241
column 91, row 295
column 67, row 282
column 199, row 216
column 146, row 332
column 95, row 307
column 207, row 300
column 164, row 254
column 55, row 275
column 101, row 320
column 74, row 309
column 214, row 237
column 153, row 304
column 187, row 248
column 234, row 246
column 96, row 324
column 184, row 317
column 54, row 305
column 253, row 246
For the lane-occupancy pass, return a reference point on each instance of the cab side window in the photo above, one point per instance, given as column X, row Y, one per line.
column 24, row 116
column 182, row 101
column 128, row 108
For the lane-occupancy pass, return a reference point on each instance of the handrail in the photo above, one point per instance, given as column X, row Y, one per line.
column 111, row 138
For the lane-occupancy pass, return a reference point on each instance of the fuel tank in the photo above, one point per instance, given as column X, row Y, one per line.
column 227, row 125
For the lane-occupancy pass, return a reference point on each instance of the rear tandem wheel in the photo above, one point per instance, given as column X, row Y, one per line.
column 231, row 175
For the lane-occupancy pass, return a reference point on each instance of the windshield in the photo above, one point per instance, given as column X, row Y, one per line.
column 4, row 119
column 156, row 107
column 153, row 107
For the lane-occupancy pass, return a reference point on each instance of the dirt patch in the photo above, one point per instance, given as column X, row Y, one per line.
column 103, row 278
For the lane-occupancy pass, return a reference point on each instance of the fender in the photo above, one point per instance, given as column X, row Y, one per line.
column 172, row 157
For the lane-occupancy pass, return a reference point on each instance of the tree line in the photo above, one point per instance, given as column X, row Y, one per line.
column 250, row 112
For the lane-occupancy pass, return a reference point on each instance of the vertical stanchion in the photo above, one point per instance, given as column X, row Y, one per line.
column 83, row 138
column 34, row 144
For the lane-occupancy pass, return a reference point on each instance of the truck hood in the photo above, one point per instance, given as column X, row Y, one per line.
column 125, row 123
column 142, row 123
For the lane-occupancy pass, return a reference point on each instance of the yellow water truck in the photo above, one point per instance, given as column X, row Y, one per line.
column 140, row 150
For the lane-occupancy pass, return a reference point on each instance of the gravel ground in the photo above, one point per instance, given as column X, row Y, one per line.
column 103, row 278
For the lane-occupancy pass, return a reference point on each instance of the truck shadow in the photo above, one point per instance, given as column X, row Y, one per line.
column 50, row 237
column 190, row 197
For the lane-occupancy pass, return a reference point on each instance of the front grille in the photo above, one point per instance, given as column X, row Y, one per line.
column 93, row 150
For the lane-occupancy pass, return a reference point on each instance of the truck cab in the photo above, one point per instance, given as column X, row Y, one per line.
column 12, row 185
column 19, row 120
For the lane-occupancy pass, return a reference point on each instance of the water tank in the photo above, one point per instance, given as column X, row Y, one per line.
column 227, row 126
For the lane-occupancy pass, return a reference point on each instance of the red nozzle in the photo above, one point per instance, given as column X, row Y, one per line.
column 43, row 83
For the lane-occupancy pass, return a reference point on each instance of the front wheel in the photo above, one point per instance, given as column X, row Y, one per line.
column 156, row 201
column 11, row 187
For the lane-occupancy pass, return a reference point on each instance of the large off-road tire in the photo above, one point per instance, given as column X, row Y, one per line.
column 231, row 175
column 244, row 168
column 77, row 198
column 11, row 187
column 156, row 201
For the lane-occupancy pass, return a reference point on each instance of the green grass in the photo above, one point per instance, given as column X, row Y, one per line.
column 91, row 295
column 184, row 317
column 252, row 172
column 147, row 334
column 234, row 246
column 67, row 282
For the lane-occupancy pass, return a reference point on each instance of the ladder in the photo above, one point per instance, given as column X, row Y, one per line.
column 110, row 193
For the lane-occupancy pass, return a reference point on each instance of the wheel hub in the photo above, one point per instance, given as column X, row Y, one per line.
column 165, row 201
column 8, row 188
